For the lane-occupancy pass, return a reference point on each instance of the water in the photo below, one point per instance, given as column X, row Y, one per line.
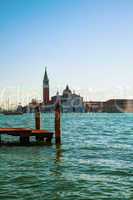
column 95, row 161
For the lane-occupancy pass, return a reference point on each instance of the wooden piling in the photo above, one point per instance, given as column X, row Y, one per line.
column 57, row 123
column 37, row 118
column 38, row 123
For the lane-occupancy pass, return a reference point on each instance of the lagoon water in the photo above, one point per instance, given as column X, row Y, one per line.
column 95, row 161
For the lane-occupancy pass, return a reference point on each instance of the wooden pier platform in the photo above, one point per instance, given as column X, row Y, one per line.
column 25, row 134
column 41, row 136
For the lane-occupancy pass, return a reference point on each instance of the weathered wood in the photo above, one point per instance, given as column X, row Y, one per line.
column 57, row 124
column 37, row 121
column 25, row 134
column 16, row 131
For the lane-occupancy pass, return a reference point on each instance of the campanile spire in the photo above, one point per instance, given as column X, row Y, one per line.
column 45, row 88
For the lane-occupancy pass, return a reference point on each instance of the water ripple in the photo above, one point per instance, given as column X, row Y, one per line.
column 94, row 162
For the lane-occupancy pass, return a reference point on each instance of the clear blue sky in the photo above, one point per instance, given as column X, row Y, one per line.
column 85, row 43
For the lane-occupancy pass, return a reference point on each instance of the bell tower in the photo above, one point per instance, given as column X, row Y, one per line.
column 45, row 88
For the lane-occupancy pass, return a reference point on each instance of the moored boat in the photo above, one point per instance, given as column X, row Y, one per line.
column 12, row 113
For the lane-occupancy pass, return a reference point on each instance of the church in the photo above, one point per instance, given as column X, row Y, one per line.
column 70, row 102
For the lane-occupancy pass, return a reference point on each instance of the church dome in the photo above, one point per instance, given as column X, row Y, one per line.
column 67, row 92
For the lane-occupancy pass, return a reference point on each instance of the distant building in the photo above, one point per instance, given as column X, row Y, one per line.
column 20, row 108
column 110, row 106
column 94, row 106
column 45, row 88
column 32, row 105
column 70, row 102
column 118, row 105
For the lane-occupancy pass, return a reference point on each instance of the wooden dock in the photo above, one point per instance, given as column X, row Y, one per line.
column 25, row 134
column 42, row 136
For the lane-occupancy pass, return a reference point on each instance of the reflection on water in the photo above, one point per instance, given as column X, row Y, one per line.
column 58, row 153
column 93, row 162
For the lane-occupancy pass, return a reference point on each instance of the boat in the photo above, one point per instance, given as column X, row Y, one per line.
column 9, row 111
column 12, row 113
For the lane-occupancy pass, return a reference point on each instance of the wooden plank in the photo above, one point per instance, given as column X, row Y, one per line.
column 25, row 132
column 16, row 131
column 2, row 130
column 41, row 133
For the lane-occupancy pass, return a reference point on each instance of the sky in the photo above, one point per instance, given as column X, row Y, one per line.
column 87, row 44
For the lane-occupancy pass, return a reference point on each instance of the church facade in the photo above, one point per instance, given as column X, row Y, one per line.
column 70, row 102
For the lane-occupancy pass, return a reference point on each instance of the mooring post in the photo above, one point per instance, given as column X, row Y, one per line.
column 58, row 121
column 38, row 122
column 37, row 118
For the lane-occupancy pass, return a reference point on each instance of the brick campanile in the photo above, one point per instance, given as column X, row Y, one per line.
column 45, row 88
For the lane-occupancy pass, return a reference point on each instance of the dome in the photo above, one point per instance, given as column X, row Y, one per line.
column 67, row 92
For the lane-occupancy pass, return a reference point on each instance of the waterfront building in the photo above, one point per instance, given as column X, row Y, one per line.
column 94, row 106
column 70, row 102
column 118, row 105
column 110, row 106
column 45, row 88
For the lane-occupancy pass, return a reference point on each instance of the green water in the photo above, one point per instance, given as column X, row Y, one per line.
column 94, row 162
